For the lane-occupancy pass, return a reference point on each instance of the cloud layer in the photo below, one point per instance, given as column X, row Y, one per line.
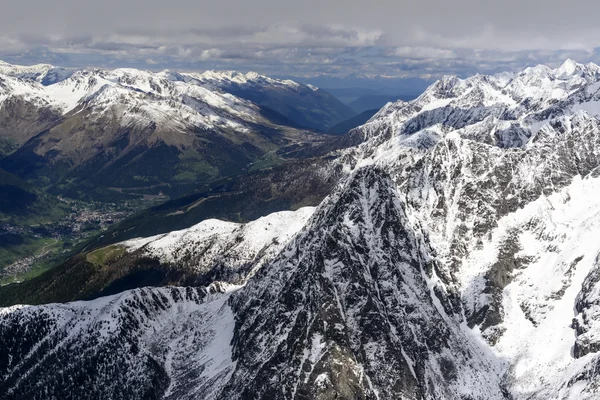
column 425, row 38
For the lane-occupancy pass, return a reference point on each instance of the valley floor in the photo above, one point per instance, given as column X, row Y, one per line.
column 29, row 249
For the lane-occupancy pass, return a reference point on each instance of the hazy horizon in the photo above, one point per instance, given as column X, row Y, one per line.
column 332, row 38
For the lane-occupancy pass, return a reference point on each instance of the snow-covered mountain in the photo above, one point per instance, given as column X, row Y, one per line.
column 306, row 105
column 73, row 88
column 134, row 344
column 458, row 259
column 64, row 89
column 139, row 97
column 219, row 250
column 43, row 73
column 107, row 128
column 509, row 106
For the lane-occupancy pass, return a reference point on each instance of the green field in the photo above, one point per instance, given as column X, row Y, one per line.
column 106, row 254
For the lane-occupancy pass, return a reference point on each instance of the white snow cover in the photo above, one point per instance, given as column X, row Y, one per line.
column 539, row 125
column 236, row 245
column 220, row 78
column 558, row 234
column 187, row 330
column 170, row 99
column 504, row 109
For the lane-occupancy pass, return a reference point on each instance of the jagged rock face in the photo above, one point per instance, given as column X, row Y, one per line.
column 464, row 179
column 461, row 188
column 588, row 308
column 468, row 152
column 507, row 111
column 346, row 311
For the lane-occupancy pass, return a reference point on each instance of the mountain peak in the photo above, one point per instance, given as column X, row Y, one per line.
column 251, row 75
column 349, row 290
column 239, row 78
column 568, row 67
column 571, row 68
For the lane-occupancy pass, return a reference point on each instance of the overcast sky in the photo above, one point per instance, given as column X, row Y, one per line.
column 304, row 37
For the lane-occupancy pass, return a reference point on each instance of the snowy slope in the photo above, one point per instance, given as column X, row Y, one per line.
column 138, row 344
column 232, row 251
column 305, row 105
column 556, row 238
column 28, row 90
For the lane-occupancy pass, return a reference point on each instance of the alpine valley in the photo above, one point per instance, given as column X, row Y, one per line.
column 100, row 133
column 81, row 149
column 446, row 249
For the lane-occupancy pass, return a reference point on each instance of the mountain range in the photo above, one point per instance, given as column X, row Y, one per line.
column 106, row 134
column 454, row 256
column 304, row 104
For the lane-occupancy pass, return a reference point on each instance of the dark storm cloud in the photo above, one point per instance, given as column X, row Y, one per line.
column 428, row 37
